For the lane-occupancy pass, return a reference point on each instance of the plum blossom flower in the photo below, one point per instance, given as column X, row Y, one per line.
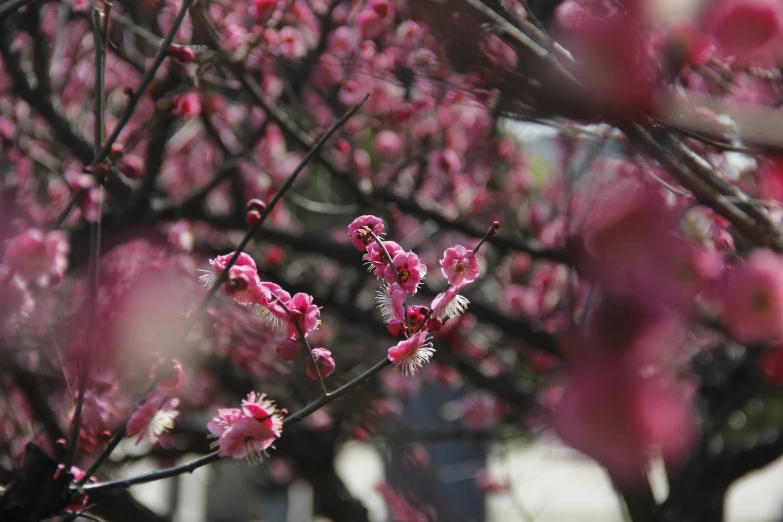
column 459, row 265
column 302, row 313
column 359, row 235
column 391, row 301
column 153, row 418
column 449, row 303
column 376, row 257
column 409, row 269
column 37, row 256
column 270, row 306
column 247, row 432
column 752, row 298
column 411, row 354
column 243, row 284
column 323, row 360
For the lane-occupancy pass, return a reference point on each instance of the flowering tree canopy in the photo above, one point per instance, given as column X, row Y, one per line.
column 192, row 194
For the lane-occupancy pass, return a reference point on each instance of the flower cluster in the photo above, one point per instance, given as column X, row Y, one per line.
column 270, row 301
column 247, row 432
column 402, row 273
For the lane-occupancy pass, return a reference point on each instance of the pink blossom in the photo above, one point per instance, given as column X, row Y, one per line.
column 359, row 235
column 244, row 286
column 409, row 269
column 752, row 298
column 613, row 415
column 290, row 43
column 388, row 145
column 261, row 9
column 391, row 302
column 741, row 26
column 411, row 354
column 449, row 303
column 351, row 93
column 304, row 314
column 188, row 106
column 243, row 283
column 459, row 265
column 152, row 418
column 37, row 256
column 343, row 41
column 326, row 365
column 377, row 258
column 220, row 262
column 248, row 432
column 289, row 349
column 270, row 305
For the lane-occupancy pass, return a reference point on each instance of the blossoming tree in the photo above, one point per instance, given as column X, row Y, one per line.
column 191, row 192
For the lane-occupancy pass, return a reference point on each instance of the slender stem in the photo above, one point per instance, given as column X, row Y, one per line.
column 396, row 277
column 146, row 80
column 487, row 235
column 95, row 250
column 214, row 456
column 304, row 341
column 223, row 276
column 155, row 475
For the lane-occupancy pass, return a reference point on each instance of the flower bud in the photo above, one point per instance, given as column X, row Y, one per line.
column 253, row 218
column 395, row 327
column 186, row 55
column 289, row 349
column 323, row 358
column 255, row 204
column 434, row 324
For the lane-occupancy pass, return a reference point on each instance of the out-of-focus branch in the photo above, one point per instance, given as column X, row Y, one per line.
column 60, row 126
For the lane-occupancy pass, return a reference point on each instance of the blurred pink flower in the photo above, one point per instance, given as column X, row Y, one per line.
column 752, row 298
column 38, row 257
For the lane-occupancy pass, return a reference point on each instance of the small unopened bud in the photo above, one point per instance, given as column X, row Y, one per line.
column 494, row 228
column 255, row 204
column 253, row 218
column 173, row 51
column 289, row 349
column 117, row 150
column 396, row 327
column 127, row 91
column 434, row 324
column 186, row 55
